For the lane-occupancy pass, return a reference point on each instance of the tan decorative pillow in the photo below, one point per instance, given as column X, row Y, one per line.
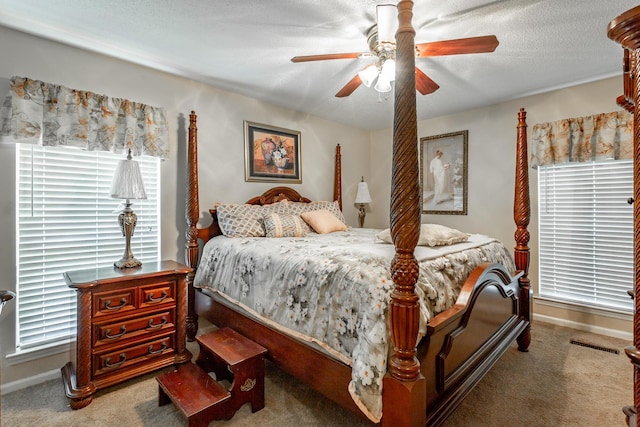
column 322, row 221
column 297, row 208
column 284, row 225
column 241, row 220
column 431, row 235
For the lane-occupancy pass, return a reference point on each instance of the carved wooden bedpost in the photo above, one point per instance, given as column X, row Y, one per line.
column 625, row 29
column 337, row 178
column 404, row 368
column 192, row 215
column 521, row 216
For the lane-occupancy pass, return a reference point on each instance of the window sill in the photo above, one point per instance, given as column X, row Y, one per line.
column 590, row 319
column 22, row 356
column 599, row 311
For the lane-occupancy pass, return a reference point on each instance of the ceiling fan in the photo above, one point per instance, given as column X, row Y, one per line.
column 382, row 45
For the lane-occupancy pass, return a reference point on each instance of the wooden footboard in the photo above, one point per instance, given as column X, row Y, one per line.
column 464, row 342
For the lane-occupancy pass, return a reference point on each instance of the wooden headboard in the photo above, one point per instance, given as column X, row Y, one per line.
column 277, row 194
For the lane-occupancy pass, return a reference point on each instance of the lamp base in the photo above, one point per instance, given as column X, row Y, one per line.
column 361, row 215
column 127, row 263
column 127, row 220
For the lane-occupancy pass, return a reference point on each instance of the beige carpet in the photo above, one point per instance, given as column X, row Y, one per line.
column 555, row 384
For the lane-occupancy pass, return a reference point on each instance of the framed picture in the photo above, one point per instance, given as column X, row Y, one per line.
column 443, row 173
column 272, row 154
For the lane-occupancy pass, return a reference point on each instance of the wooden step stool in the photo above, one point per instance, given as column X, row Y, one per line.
column 240, row 361
column 199, row 397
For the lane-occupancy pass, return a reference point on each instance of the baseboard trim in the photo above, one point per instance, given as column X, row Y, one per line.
column 584, row 327
column 29, row 381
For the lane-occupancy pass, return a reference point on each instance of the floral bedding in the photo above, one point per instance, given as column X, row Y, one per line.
column 334, row 290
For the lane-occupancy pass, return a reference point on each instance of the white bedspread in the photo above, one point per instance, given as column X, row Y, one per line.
column 334, row 289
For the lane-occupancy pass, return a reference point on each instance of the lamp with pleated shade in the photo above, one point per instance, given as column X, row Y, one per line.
column 362, row 198
column 127, row 184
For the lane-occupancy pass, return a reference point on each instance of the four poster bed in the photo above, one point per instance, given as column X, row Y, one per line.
column 457, row 344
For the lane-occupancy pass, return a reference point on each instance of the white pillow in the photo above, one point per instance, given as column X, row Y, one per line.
column 431, row 235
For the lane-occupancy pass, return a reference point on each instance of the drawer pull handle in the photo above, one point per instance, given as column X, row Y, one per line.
column 123, row 302
column 161, row 298
column 107, row 364
column 159, row 325
column 158, row 351
column 123, row 330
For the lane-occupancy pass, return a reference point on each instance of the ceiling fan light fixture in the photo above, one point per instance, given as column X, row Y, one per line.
column 383, row 84
column 388, row 71
column 387, row 22
column 368, row 75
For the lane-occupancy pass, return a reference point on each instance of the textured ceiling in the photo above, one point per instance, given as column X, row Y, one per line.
column 245, row 46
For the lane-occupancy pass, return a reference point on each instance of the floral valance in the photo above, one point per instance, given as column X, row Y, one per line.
column 591, row 138
column 49, row 114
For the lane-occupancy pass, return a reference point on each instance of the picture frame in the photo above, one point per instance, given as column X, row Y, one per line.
column 272, row 154
column 443, row 173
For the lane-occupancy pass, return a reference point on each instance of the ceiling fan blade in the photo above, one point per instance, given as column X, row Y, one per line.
column 349, row 87
column 308, row 58
column 454, row 47
column 424, row 84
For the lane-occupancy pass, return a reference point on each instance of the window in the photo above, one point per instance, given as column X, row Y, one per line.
column 586, row 234
column 65, row 221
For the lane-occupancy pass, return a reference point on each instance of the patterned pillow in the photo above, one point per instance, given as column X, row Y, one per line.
column 322, row 221
column 281, row 207
column 241, row 220
column 284, row 225
column 431, row 235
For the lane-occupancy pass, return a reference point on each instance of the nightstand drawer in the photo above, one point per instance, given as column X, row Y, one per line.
column 111, row 332
column 157, row 294
column 112, row 302
column 115, row 360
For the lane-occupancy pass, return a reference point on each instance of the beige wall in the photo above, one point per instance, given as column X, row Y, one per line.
column 220, row 124
column 491, row 150
column 492, row 133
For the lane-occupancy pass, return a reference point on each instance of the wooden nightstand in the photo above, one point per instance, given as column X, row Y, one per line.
column 130, row 322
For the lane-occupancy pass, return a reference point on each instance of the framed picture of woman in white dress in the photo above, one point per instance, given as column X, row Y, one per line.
column 443, row 173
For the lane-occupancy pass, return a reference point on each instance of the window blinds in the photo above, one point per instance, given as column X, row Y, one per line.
column 66, row 221
column 586, row 233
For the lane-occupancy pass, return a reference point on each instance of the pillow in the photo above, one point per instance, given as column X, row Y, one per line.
column 281, row 207
column 241, row 220
column 431, row 235
column 283, row 225
column 322, row 221
column 296, row 208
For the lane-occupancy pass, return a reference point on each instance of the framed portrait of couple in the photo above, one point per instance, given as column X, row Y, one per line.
column 443, row 173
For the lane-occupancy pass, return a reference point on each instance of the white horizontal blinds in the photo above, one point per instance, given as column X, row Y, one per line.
column 586, row 233
column 66, row 221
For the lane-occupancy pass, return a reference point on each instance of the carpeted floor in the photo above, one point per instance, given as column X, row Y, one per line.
column 555, row 384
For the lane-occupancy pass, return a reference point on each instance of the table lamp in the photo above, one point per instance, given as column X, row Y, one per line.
column 127, row 184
